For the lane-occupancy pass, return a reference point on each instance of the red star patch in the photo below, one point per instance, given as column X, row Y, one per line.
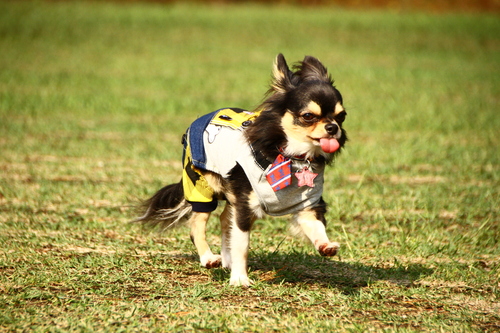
column 306, row 177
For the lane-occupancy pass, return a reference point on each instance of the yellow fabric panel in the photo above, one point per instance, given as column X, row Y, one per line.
column 230, row 118
column 195, row 190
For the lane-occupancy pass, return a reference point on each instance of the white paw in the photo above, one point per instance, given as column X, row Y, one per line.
column 240, row 281
column 211, row 261
column 328, row 249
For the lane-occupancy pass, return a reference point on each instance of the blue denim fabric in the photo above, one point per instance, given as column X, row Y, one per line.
column 195, row 131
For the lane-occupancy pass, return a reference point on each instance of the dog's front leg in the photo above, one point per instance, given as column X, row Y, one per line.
column 239, row 255
column 198, row 222
column 225, row 221
column 309, row 221
column 239, row 241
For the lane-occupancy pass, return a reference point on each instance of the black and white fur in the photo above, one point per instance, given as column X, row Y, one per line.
column 301, row 107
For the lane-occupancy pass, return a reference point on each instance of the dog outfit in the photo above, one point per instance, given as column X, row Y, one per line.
column 216, row 142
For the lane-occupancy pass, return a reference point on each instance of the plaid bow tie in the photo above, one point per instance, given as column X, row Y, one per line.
column 280, row 174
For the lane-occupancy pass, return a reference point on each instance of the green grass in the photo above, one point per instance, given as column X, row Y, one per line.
column 94, row 98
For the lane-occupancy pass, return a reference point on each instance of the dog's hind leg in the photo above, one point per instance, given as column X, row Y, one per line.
column 312, row 226
column 198, row 222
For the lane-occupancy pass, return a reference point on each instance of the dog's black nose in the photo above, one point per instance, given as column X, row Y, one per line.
column 331, row 128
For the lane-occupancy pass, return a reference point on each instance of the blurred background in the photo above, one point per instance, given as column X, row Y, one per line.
column 112, row 85
column 427, row 5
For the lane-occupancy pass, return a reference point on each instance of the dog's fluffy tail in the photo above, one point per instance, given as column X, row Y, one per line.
column 166, row 208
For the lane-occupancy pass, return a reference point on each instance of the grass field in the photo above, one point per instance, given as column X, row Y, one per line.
column 94, row 98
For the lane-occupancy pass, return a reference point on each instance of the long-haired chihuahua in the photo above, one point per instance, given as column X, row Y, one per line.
column 267, row 161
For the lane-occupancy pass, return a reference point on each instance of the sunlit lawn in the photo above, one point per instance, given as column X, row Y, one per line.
column 94, row 98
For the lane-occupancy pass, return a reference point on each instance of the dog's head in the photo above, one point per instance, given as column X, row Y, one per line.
column 303, row 113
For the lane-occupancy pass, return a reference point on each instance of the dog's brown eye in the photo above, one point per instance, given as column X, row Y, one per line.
column 308, row 117
column 340, row 117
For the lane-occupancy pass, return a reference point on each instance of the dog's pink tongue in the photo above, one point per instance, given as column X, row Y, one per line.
column 329, row 145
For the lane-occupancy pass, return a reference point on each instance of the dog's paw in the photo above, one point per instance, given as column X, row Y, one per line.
column 328, row 249
column 240, row 281
column 212, row 261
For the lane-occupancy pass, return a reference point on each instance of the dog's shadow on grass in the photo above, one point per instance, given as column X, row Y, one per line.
column 348, row 277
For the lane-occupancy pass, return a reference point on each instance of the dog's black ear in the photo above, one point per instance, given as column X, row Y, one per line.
column 283, row 77
column 311, row 69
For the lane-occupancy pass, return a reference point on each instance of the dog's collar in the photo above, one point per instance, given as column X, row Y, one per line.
column 296, row 157
column 264, row 162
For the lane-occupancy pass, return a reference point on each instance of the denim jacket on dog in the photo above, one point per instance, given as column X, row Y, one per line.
column 216, row 142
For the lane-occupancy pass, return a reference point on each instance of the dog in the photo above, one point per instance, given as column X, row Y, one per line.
column 267, row 161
